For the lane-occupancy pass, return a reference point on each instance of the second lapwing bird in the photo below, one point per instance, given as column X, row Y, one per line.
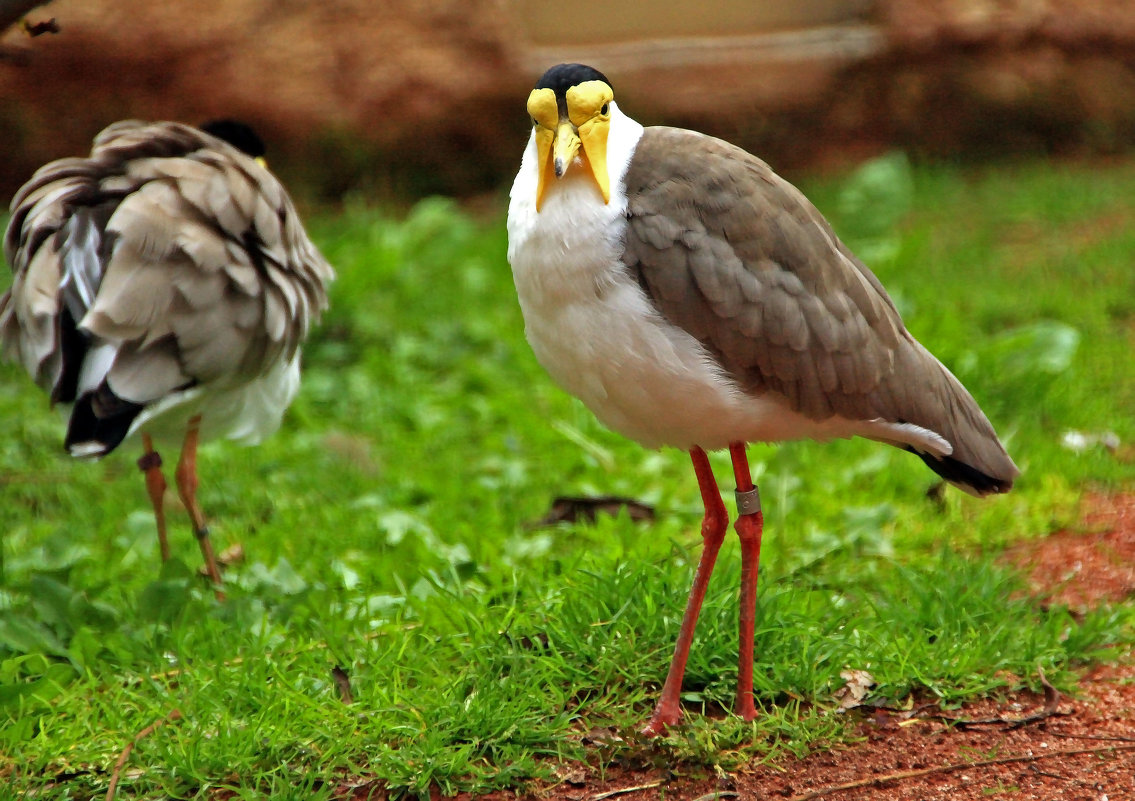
column 693, row 298
column 161, row 289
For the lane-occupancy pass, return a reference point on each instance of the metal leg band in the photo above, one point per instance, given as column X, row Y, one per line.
column 748, row 502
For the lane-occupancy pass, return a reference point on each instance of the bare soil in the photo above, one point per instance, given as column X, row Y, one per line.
column 1082, row 570
column 1079, row 748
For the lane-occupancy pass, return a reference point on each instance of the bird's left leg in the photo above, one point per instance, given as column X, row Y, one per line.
column 187, row 488
column 749, row 525
column 151, row 465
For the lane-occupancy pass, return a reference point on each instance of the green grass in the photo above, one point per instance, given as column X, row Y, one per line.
column 388, row 530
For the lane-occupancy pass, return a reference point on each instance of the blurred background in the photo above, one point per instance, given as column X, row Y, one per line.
column 399, row 99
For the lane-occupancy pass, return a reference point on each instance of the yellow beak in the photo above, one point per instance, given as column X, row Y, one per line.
column 567, row 145
column 556, row 150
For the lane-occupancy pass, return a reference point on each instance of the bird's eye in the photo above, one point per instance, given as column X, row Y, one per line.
column 605, row 109
column 534, row 123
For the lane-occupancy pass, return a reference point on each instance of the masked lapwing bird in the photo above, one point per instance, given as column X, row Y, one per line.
column 693, row 298
column 162, row 288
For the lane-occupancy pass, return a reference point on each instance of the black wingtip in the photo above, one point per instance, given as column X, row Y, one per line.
column 99, row 422
column 963, row 475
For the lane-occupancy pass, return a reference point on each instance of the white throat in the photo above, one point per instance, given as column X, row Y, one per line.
column 574, row 199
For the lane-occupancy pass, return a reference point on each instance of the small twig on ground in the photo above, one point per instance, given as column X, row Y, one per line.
column 875, row 781
column 146, row 732
column 716, row 795
column 1037, row 770
column 1052, row 700
column 623, row 790
column 1107, row 738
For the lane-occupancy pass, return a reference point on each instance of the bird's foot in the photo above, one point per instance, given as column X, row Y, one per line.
column 665, row 715
column 745, row 708
column 212, row 569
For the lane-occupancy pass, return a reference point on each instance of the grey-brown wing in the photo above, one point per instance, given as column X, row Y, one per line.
column 35, row 247
column 740, row 259
column 179, row 250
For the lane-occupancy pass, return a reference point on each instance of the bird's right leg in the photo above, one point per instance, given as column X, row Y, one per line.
column 151, row 465
column 713, row 527
column 750, row 525
column 187, row 488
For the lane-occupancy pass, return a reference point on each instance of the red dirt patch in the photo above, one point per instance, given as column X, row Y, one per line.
column 1081, row 569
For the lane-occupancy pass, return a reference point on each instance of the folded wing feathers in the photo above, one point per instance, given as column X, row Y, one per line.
column 198, row 271
column 760, row 278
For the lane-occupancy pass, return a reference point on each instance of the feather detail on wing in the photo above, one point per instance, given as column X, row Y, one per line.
column 738, row 257
column 168, row 248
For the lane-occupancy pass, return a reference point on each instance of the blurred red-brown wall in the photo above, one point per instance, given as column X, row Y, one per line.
column 399, row 98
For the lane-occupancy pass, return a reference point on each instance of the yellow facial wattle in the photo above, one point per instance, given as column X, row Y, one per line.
column 558, row 139
column 545, row 116
column 589, row 110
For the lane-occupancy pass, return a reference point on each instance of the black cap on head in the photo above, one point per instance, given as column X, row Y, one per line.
column 237, row 134
column 562, row 77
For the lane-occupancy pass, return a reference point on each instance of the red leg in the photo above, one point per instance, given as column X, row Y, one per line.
column 749, row 525
column 187, row 488
column 669, row 711
column 151, row 465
